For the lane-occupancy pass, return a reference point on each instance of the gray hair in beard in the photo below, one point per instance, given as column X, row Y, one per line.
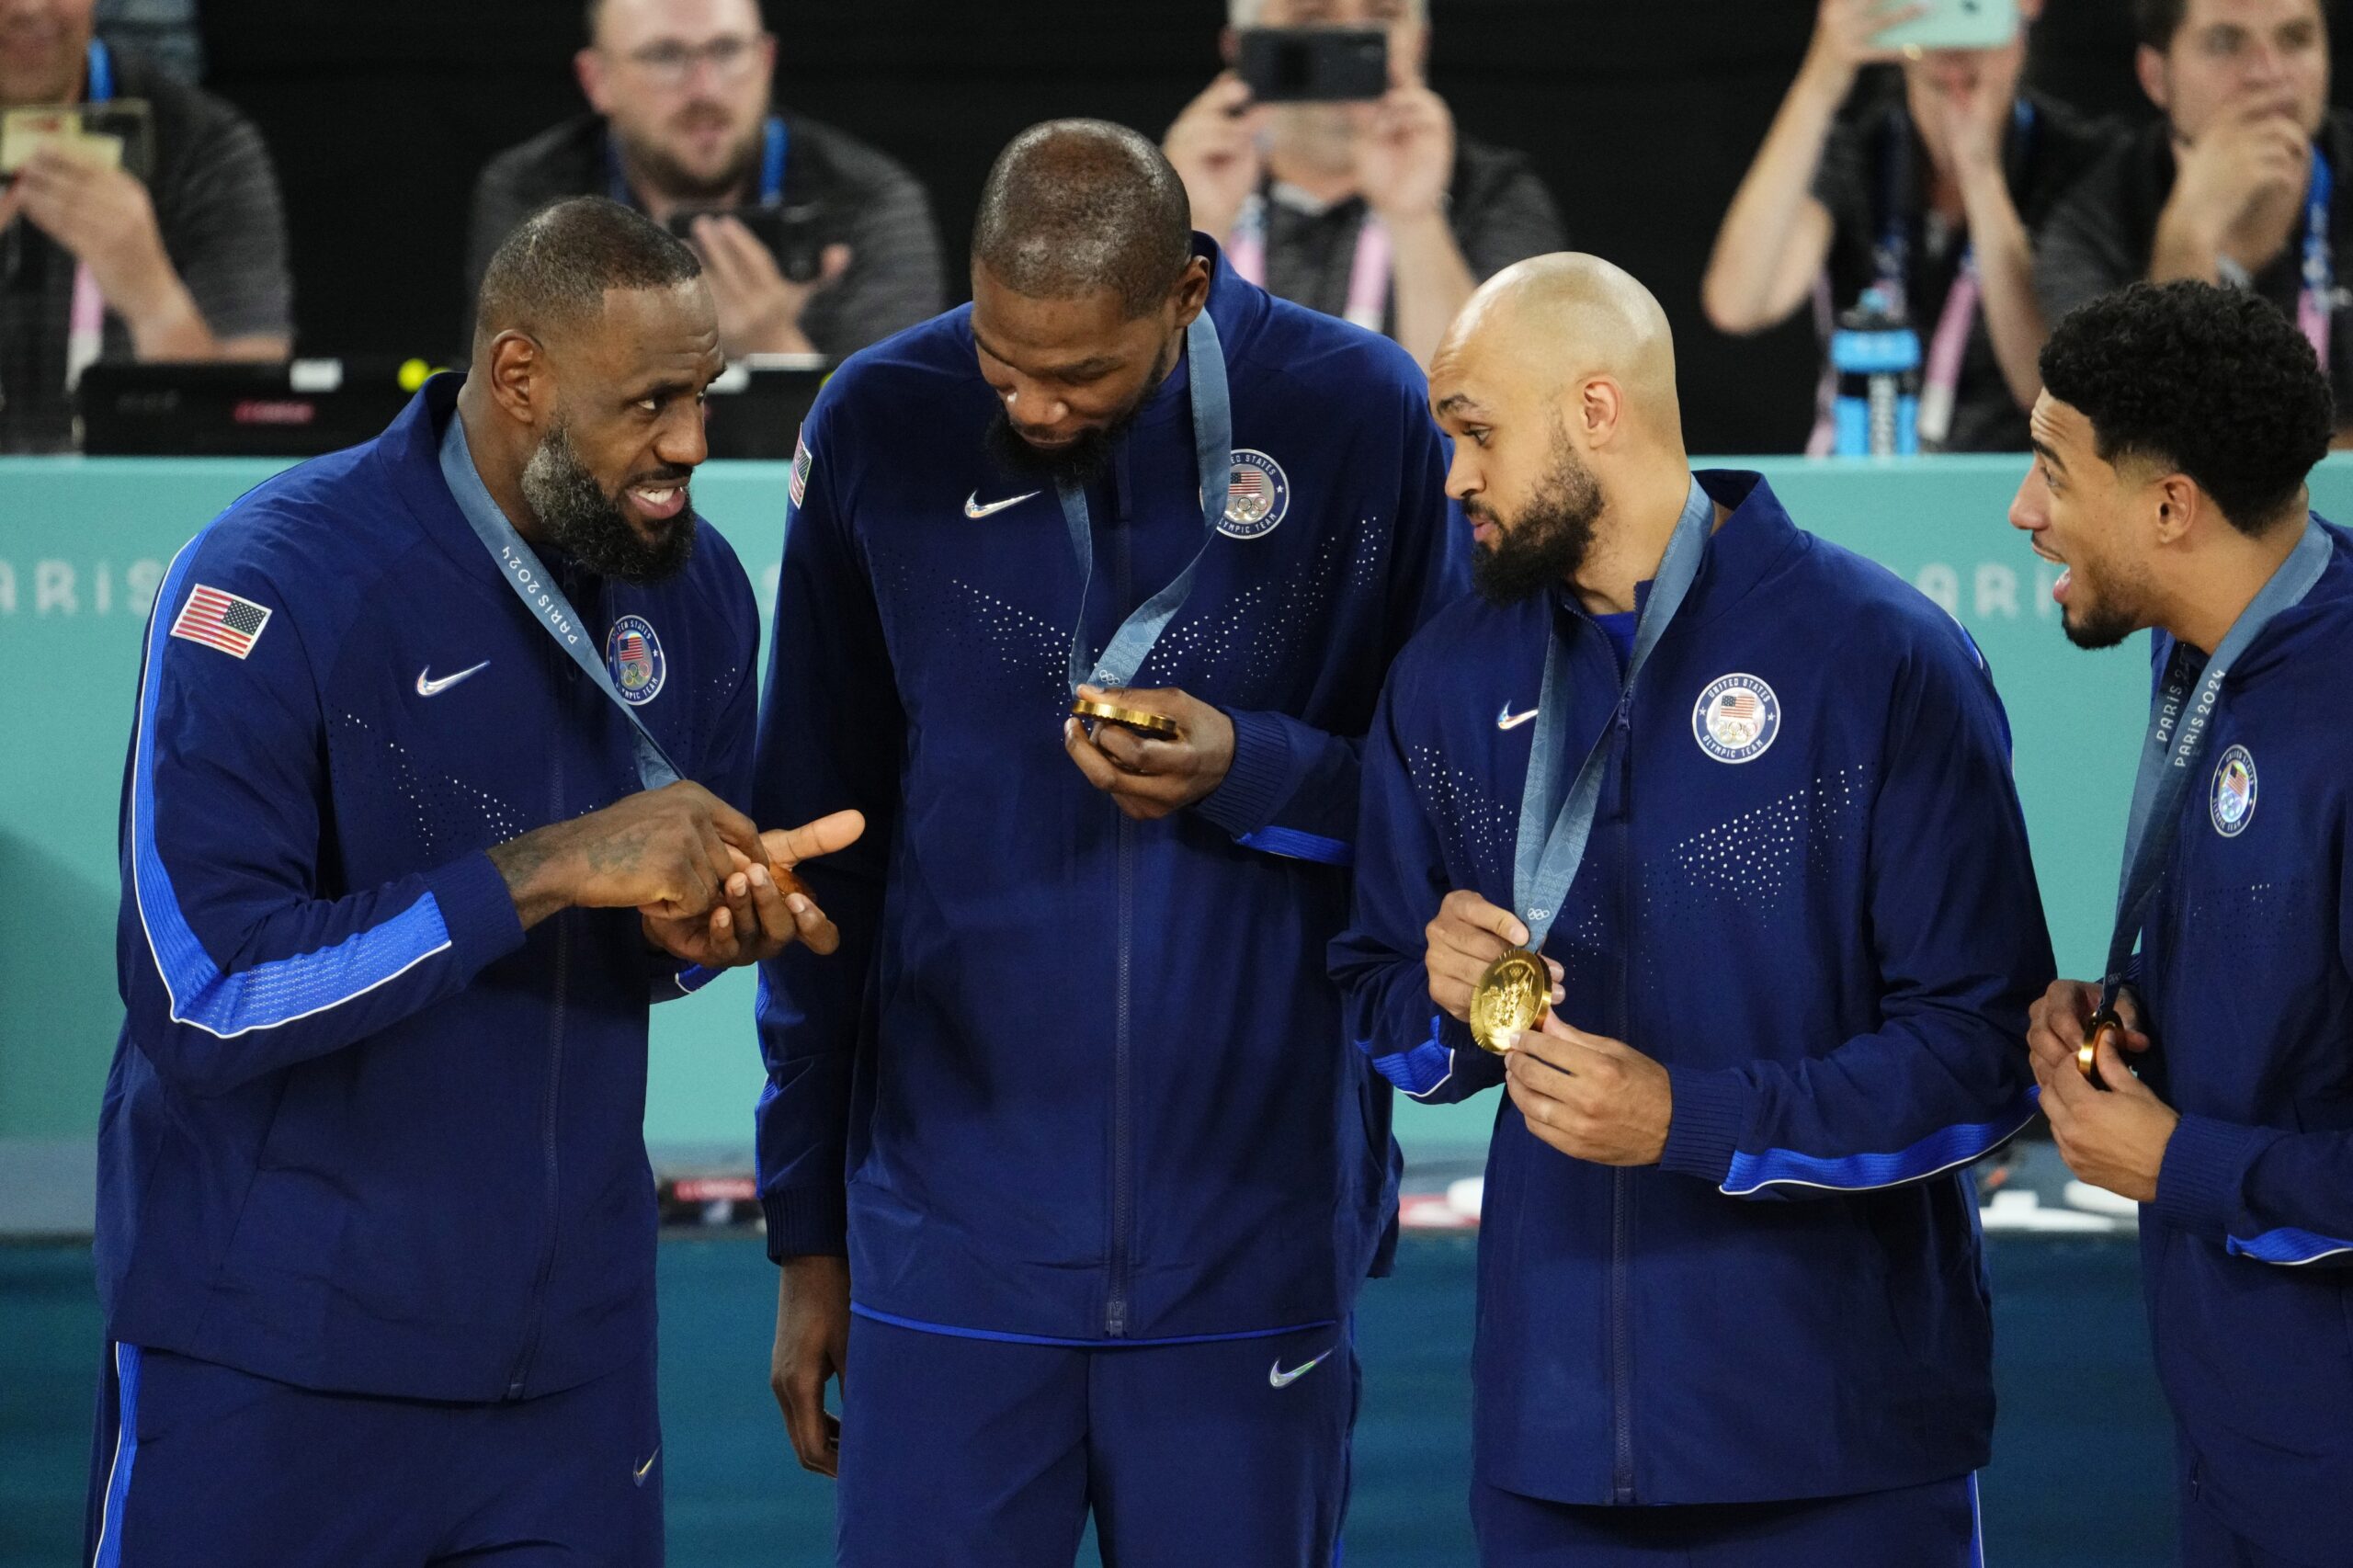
column 580, row 517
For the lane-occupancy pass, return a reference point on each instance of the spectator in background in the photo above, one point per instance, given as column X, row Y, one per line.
column 1380, row 212
column 683, row 120
column 164, row 31
column 185, row 260
column 2237, row 184
column 1930, row 190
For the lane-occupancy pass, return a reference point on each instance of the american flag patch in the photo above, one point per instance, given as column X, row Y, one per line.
column 801, row 463
column 221, row 619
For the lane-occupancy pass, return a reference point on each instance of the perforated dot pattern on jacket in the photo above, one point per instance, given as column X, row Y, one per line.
column 450, row 816
column 2249, row 927
column 1249, row 647
column 1474, row 827
column 1773, row 849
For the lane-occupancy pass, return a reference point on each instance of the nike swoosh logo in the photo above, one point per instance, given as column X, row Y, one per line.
column 427, row 686
column 639, row 1472
column 1280, row 1379
column 1507, row 720
column 972, row 508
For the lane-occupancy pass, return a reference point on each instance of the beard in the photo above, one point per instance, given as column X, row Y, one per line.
column 1082, row 462
column 685, row 186
column 2108, row 616
column 580, row 517
column 1547, row 541
column 2097, row 629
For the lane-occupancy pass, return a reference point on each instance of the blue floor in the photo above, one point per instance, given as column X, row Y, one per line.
column 2080, row 1477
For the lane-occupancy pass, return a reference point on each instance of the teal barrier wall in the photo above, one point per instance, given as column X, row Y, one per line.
column 84, row 543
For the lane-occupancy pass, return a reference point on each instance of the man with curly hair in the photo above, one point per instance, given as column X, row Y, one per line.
column 2172, row 441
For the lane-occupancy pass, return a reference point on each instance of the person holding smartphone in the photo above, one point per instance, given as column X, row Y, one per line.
column 1924, row 195
column 685, row 130
column 1378, row 211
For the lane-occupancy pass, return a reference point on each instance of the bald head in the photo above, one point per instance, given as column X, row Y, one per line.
column 1557, row 383
column 1075, row 206
column 1551, row 323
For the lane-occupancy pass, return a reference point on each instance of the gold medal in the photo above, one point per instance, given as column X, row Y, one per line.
column 1511, row 998
column 1153, row 726
column 2103, row 1022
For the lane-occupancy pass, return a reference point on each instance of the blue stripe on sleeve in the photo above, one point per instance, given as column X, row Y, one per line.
column 1293, row 844
column 1939, row 1151
column 2288, row 1247
column 282, row 990
column 1419, row 1069
column 125, row 1453
column 693, row 977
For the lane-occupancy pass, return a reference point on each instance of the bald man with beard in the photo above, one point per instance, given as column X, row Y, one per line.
column 1746, row 799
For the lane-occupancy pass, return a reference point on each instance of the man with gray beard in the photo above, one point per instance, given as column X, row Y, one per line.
column 375, row 1238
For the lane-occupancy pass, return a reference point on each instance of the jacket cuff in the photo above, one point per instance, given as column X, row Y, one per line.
column 1256, row 781
column 1710, row 1112
column 805, row 1221
column 476, row 910
column 2203, row 1173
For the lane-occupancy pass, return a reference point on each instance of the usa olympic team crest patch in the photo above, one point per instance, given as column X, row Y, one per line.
column 1258, row 493
column 2231, row 801
column 633, row 654
column 1736, row 717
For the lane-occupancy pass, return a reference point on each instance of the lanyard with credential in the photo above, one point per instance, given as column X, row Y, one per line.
column 85, row 326
column 2316, row 300
column 2178, row 727
column 772, row 149
column 1213, row 451
column 520, row 566
column 1554, row 829
column 1368, row 270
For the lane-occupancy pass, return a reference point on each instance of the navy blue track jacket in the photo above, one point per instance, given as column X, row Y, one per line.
column 2246, row 975
column 362, row 1134
column 1070, row 1076
column 1807, row 894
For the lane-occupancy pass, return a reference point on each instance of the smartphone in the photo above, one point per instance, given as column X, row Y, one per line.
column 1956, row 24
column 791, row 233
column 1314, row 66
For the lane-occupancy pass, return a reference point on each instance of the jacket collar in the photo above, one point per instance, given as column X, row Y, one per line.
column 1754, row 540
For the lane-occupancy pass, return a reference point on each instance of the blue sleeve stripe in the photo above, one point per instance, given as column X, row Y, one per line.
column 282, row 990
column 693, row 977
column 1420, row 1070
column 109, row 1554
column 1293, row 844
column 1939, row 1151
column 2288, row 1247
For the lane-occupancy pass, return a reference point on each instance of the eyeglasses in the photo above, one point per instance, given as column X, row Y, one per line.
column 671, row 63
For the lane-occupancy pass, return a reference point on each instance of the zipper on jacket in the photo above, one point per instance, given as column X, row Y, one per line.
column 1621, row 1353
column 1115, row 1305
column 1115, row 1312
column 536, row 1309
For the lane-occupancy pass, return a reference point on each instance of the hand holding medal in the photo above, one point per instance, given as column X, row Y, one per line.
column 1482, row 972
column 1153, row 752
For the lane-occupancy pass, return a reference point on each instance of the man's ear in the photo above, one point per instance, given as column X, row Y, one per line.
column 2149, row 65
column 588, row 70
column 520, row 380
column 2181, row 509
column 1596, row 412
column 1192, row 291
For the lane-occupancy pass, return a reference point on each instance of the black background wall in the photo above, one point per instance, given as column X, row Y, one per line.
column 1641, row 113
